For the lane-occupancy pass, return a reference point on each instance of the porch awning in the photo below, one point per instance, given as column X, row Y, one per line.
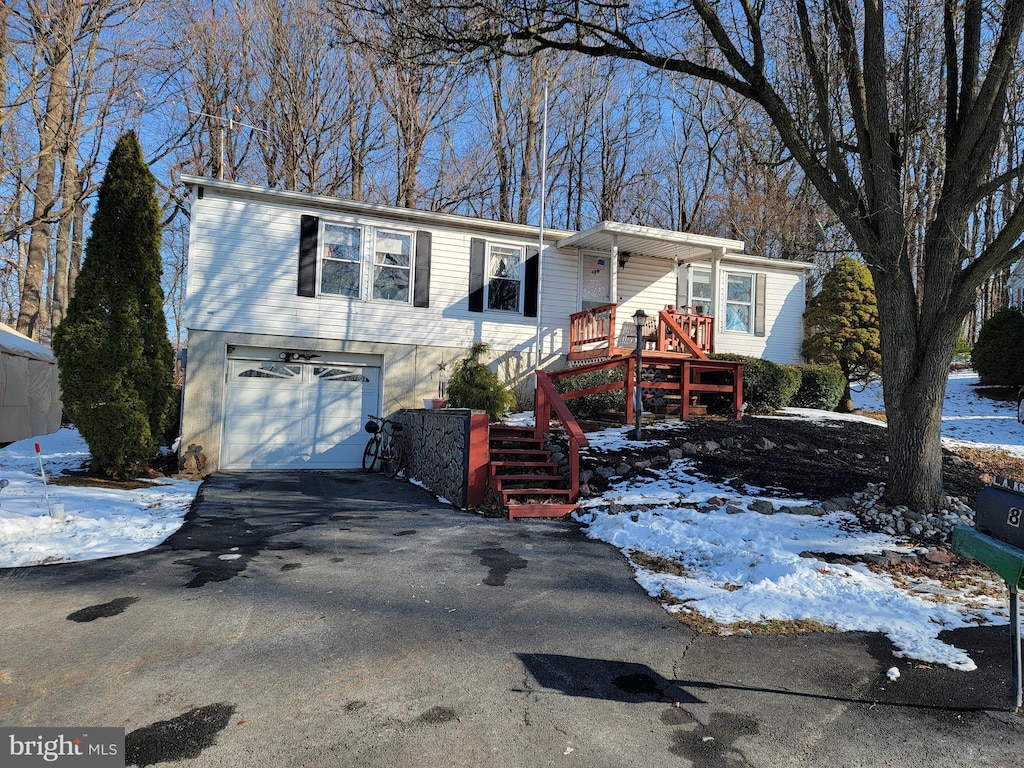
column 650, row 241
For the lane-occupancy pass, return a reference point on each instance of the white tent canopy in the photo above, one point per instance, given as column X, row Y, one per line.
column 29, row 391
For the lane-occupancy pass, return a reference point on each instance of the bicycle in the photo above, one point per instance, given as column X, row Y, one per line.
column 385, row 450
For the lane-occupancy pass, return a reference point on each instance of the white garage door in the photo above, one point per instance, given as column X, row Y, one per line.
column 296, row 414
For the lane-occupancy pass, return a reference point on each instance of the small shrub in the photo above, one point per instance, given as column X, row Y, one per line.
column 473, row 385
column 821, row 386
column 997, row 355
column 589, row 407
column 767, row 386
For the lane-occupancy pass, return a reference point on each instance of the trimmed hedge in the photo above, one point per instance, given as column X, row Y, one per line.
column 821, row 386
column 997, row 355
column 767, row 386
column 589, row 407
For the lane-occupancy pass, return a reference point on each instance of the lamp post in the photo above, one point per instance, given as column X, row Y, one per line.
column 638, row 403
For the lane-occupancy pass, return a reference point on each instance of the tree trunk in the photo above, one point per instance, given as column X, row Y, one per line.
column 32, row 312
column 65, row 233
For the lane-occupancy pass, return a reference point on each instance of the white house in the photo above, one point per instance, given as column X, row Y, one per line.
column 305, row 313
column 1015, row 285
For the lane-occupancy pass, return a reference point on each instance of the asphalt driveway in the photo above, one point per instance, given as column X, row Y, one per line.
column 336, row 619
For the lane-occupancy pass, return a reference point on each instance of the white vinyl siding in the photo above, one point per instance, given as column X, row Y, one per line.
column 242, row 278
column 783, row 318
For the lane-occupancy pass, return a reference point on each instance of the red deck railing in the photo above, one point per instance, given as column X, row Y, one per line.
column 689, row 334
column 592, row 326
column 690, row 374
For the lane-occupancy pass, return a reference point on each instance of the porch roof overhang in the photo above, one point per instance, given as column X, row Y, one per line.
column 673, row 246
column 649, row 241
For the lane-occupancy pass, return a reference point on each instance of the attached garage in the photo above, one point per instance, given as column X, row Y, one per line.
column 297, row 410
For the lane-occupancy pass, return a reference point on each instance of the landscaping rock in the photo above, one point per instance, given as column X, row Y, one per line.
column 762, row 507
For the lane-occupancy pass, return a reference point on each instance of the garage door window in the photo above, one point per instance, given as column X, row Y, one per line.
column 338, row 374
column 270, row 371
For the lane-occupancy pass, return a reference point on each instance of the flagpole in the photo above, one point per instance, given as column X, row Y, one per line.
column 540, row 226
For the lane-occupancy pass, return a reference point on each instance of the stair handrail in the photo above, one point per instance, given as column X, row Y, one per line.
column 667, row 322
column 547, row 399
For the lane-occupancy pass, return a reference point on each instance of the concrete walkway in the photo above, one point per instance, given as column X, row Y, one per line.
column 335, row 619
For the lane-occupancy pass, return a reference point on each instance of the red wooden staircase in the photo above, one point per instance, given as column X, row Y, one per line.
column 522, row 475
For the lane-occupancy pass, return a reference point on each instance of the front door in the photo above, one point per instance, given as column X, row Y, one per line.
column 597, row 281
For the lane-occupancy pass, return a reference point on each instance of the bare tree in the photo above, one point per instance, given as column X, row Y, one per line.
column 850, row 144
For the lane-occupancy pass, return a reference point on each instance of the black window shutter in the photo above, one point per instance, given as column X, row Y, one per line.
column 759, row 289
column 308, row 230
column 421, row 276
column 530, row 297
column 477, row 256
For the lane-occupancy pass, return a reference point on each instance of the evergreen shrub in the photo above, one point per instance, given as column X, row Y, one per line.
column 473, row 385
column 115, row 360
column 998, row 354
column 821, row 387
column 767, row 386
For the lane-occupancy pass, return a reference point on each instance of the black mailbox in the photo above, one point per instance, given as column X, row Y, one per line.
column 999, row 513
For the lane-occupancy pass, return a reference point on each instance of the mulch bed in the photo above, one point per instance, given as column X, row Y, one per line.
column 815, row 459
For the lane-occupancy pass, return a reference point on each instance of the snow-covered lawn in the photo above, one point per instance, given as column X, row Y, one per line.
column 749, row 567
column 99, row 522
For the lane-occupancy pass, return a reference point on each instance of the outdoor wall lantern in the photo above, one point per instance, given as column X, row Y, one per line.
column 639, row 317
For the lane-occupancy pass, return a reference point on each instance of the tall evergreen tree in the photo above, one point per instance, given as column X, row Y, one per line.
column 115, row 359
column 844, row 320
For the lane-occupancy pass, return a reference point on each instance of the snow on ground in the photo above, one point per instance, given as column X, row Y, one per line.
column 99, row 522
column 968, row 418
column 753, row 567
column 735, row 567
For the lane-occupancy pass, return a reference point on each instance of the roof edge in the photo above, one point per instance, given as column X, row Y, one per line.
column 413, row 215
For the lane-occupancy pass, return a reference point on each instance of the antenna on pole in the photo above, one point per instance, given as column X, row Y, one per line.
column 226, row 124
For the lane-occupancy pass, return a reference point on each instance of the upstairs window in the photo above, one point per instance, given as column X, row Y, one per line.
column 340, row 271
column 392, row 266
column 505, row 278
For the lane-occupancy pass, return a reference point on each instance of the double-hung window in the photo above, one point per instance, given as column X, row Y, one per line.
column 392, row 265
column 346, row 265
column 739, row 302
column 505, row 278
column 700, row 290
column 341, row 268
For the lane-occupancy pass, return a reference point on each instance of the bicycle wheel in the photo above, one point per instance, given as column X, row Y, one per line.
column 394, row 459
column 371, row 455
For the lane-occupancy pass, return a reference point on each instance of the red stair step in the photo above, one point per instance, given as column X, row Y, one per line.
column 540, row 510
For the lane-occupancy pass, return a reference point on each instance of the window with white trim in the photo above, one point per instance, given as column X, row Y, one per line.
column 392, row 265
column 700, row 290
column 341, row 265
column 382, row 270
column 504, row 283
column 739, row 302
